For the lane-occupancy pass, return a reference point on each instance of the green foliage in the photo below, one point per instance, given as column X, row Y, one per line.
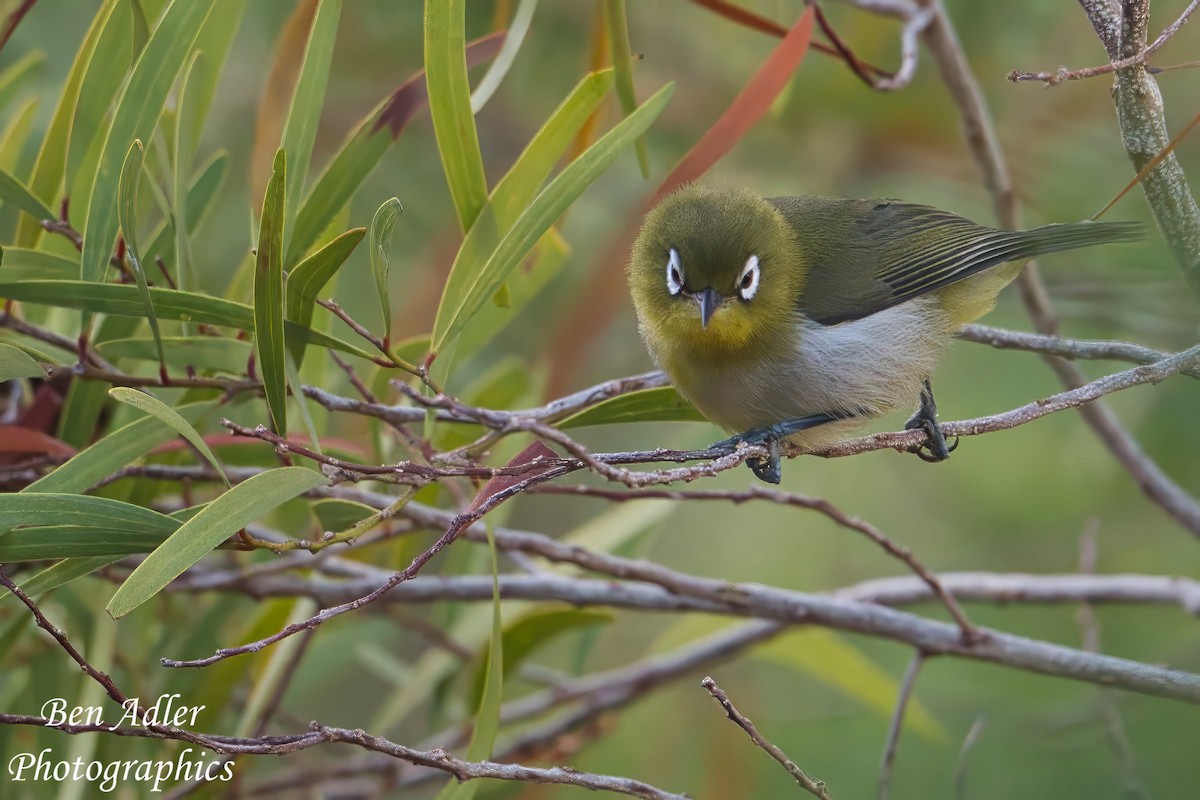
column 507, row 276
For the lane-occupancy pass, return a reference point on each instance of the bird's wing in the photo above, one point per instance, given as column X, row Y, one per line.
column 869, row 255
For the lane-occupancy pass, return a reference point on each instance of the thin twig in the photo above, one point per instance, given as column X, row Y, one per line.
column 893, row 736
column 1063, row 74
column 811, row 785
column 960, row 770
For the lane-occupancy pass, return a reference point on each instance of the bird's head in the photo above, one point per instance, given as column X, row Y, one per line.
column 714, row 271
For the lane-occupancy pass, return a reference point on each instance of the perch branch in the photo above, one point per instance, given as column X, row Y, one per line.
column 812, row 786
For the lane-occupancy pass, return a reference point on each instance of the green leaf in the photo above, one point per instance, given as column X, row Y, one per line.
column 124, row 300
column 16, row 133
column 362, row 151
column 450, row 107
column 547, row 147
column 15, row 193
column 131, row 174
column 622, row 58
column 116, row 450
column 201, row 197
column 831, row 659
column 662, row 404
column 136, row 117
column 83, row 511
column 524, row 284
column 144, row 401
column 16, row 363
column 300, row 129
column 186, row 130
column 536, row 628
column 21, row 264
column 462, row 298
column 382, row 225
column 215, row 41
column 46, row 542
column 197, row 537
column 14, row 76
column 206, row 353
column 60, row 574
column 268, row 297
column 305, row 282
column 100, row 87
column 51, row 161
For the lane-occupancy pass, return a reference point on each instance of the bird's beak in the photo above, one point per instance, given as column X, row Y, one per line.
column 708, row 300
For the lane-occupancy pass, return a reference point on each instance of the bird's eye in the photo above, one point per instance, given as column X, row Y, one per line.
column 747, row 284
column 674, row 273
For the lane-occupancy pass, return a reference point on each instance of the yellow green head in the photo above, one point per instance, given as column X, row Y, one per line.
column 715, row 272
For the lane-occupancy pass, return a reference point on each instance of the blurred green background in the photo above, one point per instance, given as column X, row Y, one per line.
column 1010, row 501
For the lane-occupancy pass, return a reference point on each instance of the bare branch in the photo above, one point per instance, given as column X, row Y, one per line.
column 1063, row 347
column 814, row 787
column 473, row 770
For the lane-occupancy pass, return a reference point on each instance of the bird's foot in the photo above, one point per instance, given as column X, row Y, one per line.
column 770, row 469
column 935, row 447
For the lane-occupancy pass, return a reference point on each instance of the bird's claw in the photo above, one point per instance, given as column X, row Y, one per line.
column 770, row 469
column 935, row 447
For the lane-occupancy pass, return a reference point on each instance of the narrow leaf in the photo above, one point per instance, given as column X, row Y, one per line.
column 362, row 151
column 450, row 107
column 144, row 401
column 51, row 162
column 16, row 363
column 197, row 537
column 300, row 129
column 124, row 300
column 662, row 404
column 268, row 297
column 186, row 130
column 204, row 353
column 622, row 57
column 382, row 225
column 15, row 193
column 116, row 450
column 60, row 574
column 460, row 301
column 305, row 282
column 21, row 264
column 24, row 508
column 136, row 117
column 199, row 198
column 131, row 174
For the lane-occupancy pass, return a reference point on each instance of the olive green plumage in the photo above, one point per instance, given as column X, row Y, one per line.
column 769, row 309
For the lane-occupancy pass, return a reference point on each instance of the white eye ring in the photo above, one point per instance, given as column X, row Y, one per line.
column 747, row 284
column 674, row 274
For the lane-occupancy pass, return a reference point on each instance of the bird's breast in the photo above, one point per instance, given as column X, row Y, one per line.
column 865, row 367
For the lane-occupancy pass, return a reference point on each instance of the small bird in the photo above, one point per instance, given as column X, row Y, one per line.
column 797, row 318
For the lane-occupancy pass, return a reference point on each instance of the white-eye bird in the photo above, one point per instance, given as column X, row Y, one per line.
column 799, row 317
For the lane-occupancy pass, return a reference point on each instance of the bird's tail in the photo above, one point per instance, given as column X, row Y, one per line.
column 1072, row 235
